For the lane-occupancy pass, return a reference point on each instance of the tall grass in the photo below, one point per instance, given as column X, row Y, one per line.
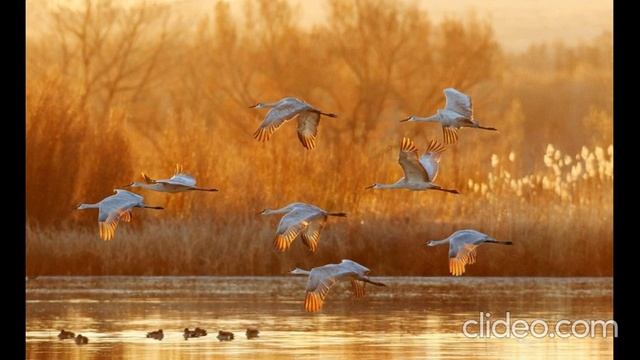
column 374, row 64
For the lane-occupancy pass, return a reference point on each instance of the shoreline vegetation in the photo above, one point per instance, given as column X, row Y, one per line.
column 112, row 92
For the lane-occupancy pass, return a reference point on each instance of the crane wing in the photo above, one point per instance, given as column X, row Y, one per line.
column 450, row 135
column 458, row 102
column 123, row 195
column 291, row 225
column 430, row 160
column 285, row 110
column 107, row 228
column 320, row 281
column 311, row 235
column 358, row 288
column 126, row 216
column 413, row 170
column 147, row 179
column 180, row 179
column 462, row 251
column 308, row 128
column 354, row 266
column 114, row 208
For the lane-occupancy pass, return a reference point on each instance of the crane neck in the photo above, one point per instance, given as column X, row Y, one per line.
column 88, row 206
column 439, row 242
column 271, row 105
column 387, row 186
column 298, row 271
column 396, row 185
column 433, row 118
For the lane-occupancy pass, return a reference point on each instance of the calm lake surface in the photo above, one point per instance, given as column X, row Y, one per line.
column 411, row 318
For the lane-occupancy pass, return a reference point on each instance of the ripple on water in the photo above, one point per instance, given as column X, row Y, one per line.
column 412, row 317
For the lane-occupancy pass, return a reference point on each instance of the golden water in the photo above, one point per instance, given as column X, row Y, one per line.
column 411, row 318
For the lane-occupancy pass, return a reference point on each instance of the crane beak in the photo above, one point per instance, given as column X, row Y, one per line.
column 128, row 185
column 370, row 186
column 260, row 212
column 252, row 106
column 406, row 119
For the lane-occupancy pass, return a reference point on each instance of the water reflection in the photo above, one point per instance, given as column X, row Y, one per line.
column 411, row 318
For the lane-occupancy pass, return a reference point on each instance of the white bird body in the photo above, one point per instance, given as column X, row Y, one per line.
column 286, row 109
column 322, row 278
column 300, row 219
column 462, row 248
column 457, row 113
column 179, row 182
column 420, row 172
column 114, row 208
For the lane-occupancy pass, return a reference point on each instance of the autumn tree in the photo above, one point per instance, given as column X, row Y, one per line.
column 110, row 53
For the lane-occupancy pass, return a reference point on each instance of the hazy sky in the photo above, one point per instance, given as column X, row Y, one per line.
column 517, row 23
